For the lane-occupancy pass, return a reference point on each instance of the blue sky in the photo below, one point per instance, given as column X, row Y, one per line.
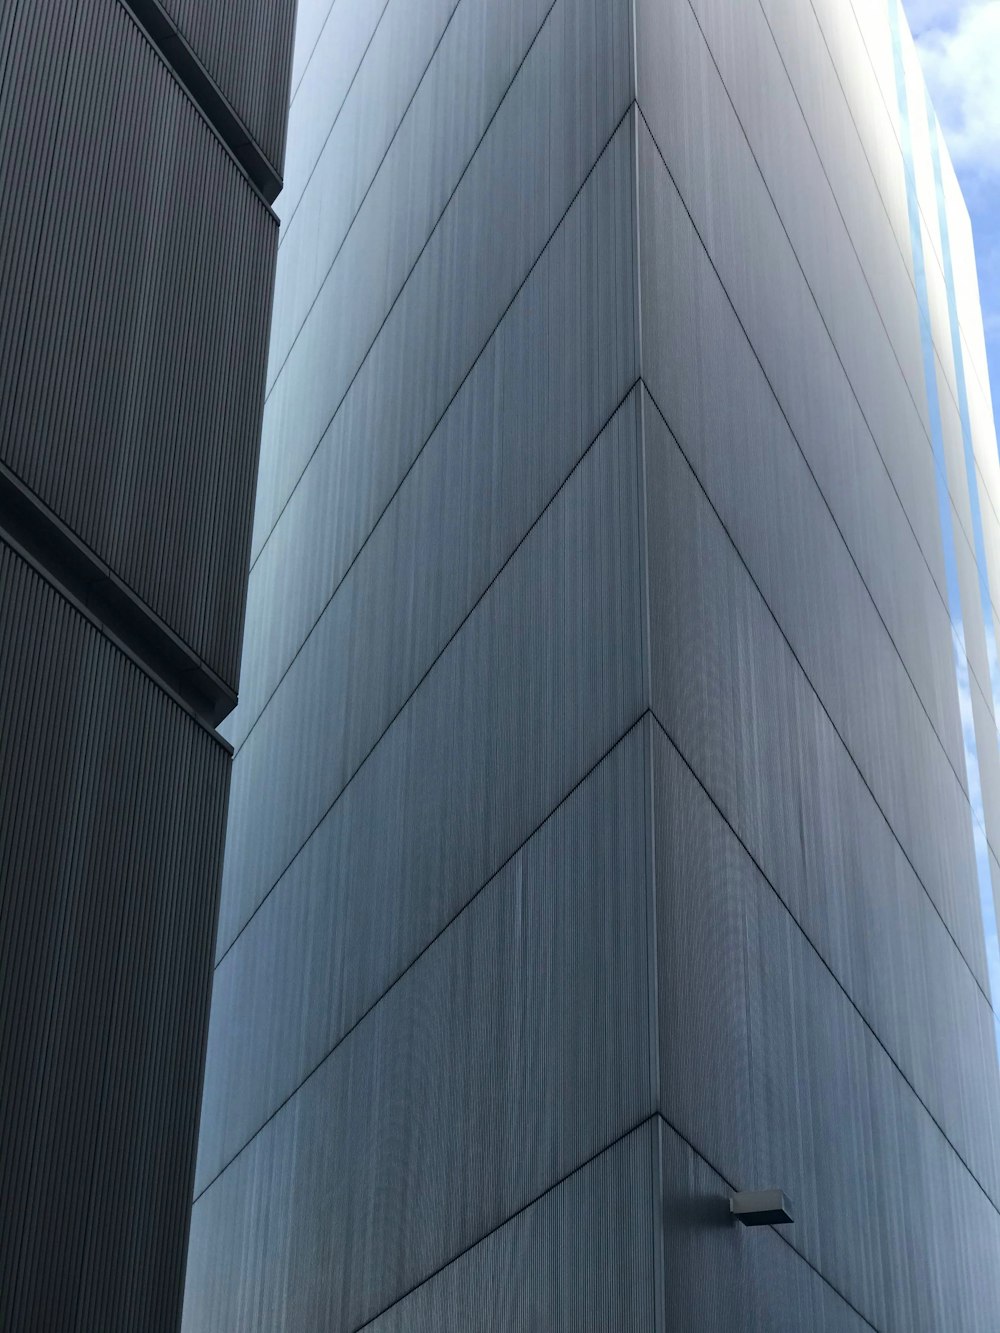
column 959, row 43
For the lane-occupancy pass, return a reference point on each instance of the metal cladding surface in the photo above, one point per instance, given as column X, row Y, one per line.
column 136, row 259
column 166, row 252
column 246, row 49
column 604, row 840
column 111, row 841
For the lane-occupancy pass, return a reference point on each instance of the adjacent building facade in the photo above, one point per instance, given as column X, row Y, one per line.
column 616, row 796
column 140, row 147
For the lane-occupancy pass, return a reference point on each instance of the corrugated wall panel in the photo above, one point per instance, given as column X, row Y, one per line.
column 343, row 886
column 579, row 1258
column 749, row 462
column 788, row 1081
column 246, row 48
column 754, row 732
column 390, row 965
column 328, row 106
column 138, row 263
column 359, row 142
column 867, row 448
column 111, row 828
column 902, row 1037
column 461, row 915
column 719, row 1275
column 418, row 257
column 511, row 1050
column 361, row 697
column 544, row 386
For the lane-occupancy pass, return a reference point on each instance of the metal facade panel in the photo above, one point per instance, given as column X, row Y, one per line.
column 577, row 1258
column 869, row 1077
column 342, row 885
column 551, row 376
column 716, row 1275
column 330, row 113
column 377, row 130
column 111, row 831
column 813, row 1095
column 822, row 348
column 758, row 740
column 247, row 50
column 510, row 1051
column 131, row 373
column 597, row 426
column 407, row 267
column 730, row 425
column 136, row 260
column 480, row 712
column 378, row 651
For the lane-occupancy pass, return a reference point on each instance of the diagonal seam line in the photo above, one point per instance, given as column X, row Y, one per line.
column 511, row 1217
column 312, row 51
column 432, row 664
column 535, row 262
column 656, row 1115
column 861, row 269
column 753, row 858
column 374, row 528
column 878, row 191
column 808, row 465
column 430, row 435
column 847, row 230
column 284, row 871
column 781, row 1234
column 808, row 679
column 447, row 407
column 410, row 271
column 287, row 222
column 632, row 726
column 816, row 950
column 409, row 466
column 957, row 524
column 958, row 949
column 146, row 609
column 378, row 168
column 843, row 368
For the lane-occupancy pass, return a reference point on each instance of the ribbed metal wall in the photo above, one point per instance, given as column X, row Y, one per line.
column 136, row 261
column 542, row 1269
column 819, row 922
column 137, row 266
column 247, row 50
column 600, row 838
column 434, row 917
column 111, row 829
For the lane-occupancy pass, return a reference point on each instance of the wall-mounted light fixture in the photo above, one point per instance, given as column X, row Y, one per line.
column 761, row 1208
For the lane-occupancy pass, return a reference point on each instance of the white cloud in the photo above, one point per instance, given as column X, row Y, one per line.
column 924, row 14
column 960, row 52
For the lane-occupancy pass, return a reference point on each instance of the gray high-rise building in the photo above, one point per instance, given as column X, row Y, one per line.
column 616, row 796
column 140, row 146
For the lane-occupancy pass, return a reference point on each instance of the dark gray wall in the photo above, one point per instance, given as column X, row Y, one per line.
column 136, row 257
column 137, row 265
column 600, row 834
column 246, row 51
column 802, row 668
column 111, row 831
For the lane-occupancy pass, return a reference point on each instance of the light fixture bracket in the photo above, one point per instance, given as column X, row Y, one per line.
column 761, row 1208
